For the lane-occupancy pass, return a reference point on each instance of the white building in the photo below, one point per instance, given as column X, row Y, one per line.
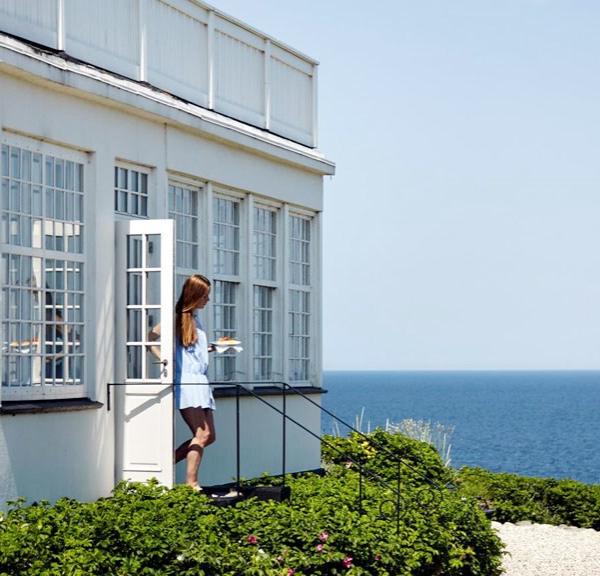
column 144, row 140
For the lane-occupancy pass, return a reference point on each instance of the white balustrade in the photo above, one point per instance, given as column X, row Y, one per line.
column 184, row 47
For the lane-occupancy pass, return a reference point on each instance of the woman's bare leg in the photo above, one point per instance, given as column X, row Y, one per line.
column 201, row 423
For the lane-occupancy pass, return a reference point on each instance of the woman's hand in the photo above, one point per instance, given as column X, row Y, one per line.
column 212, row 348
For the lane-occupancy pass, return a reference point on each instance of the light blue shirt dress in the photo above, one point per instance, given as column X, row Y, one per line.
column 191, row 366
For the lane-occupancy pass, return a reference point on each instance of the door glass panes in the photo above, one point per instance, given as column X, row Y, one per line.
column 264, row 243
column 263, row 332
column 225, row 324
column 226, row 236
column 299, row 335
column 43, row 265
column 143, row 306
column 131, row 192
column 183, row 208
column 299, row 250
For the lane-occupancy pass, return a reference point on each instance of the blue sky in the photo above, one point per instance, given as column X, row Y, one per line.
column 462, row 227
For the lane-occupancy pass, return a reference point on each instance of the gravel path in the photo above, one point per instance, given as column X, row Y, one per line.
column 544, row 550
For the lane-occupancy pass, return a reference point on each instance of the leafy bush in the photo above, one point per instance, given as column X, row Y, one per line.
column 146, row 529
column 513, row 498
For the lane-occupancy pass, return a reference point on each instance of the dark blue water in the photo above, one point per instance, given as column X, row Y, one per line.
column 531, row 423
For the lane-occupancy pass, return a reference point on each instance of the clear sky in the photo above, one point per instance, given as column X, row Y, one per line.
column 462, row 230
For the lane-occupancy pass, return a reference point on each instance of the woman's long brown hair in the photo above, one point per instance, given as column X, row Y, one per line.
column 195, row 288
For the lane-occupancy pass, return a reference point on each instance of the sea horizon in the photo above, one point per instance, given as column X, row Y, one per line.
column 531, row 422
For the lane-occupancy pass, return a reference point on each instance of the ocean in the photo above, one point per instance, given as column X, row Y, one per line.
column 531, row 423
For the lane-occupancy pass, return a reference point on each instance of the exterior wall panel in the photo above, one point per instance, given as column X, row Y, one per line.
column 177, row 52
column 239, row 79
column 34, row 20
column 291, row 100
column 105, row 33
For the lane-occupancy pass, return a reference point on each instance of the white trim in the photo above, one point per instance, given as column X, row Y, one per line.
column 267, row 79
column 60, row 25
column 143, row 42
column 210, row 36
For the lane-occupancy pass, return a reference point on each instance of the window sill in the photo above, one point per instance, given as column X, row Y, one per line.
column 265, row 390
column 14, row 407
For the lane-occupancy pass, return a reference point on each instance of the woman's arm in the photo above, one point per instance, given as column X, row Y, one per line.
column 154, row 335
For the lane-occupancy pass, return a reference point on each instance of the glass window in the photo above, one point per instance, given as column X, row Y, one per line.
column 299, row 250
column 183, row 208
column 299, row 335
column 265, row 243
column 131, row 192
column 226, row 236
column 263, row 332
column 225, row 323
column 43, row 273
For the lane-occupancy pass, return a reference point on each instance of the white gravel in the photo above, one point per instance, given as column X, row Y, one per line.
column 544, row 550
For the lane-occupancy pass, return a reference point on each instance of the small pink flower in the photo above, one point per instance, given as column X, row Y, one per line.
column 377, row 557
column 252, row 539
column 319, row 547
column 347, row 562
column 348, row 464
column 324, row 536
column 291, row 571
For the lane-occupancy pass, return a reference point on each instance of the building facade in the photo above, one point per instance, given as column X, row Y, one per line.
column 143, row 141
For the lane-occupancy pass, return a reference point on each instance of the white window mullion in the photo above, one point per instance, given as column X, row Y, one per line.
column 249, row 295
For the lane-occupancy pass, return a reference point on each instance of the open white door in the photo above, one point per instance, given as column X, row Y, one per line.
column 144, row 299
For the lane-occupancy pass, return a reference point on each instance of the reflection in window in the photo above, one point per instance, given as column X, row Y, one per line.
column 42, row 265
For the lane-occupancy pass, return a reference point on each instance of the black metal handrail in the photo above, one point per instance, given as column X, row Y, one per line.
column 362, row 471
column 370, row 440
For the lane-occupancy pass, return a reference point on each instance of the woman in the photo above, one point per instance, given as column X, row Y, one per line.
column 193, row 394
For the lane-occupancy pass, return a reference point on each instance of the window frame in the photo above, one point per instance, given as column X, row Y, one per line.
column 308, row 288
column 140, row 169
column 274, row 285
column 198, row 188
column 85, row 292
column 238, row 280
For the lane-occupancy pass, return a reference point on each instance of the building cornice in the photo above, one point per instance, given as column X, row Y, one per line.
column 44, row 67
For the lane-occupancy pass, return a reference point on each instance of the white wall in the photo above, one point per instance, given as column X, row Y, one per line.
column 72, row 453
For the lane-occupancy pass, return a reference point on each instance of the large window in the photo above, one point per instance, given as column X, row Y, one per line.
column 299, row 307
column 226, row 269
column 264, row 258
column 226, row 236
column 225, row 323
column 183, row 208
column 131, row 192
column 43, row 274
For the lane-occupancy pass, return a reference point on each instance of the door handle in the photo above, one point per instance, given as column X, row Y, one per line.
column 165, row 362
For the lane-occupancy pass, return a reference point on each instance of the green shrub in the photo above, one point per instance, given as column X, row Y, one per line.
column 146, row 529
column 513, row 498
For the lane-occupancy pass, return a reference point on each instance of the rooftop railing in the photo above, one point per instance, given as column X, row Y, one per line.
column 186, row 48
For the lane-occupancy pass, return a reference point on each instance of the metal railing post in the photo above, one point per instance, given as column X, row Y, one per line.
column 237, row 437
column 360, row 487
column 398, row 501
column 283, row 435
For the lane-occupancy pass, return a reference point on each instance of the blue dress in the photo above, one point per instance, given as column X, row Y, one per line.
column 191, row 366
